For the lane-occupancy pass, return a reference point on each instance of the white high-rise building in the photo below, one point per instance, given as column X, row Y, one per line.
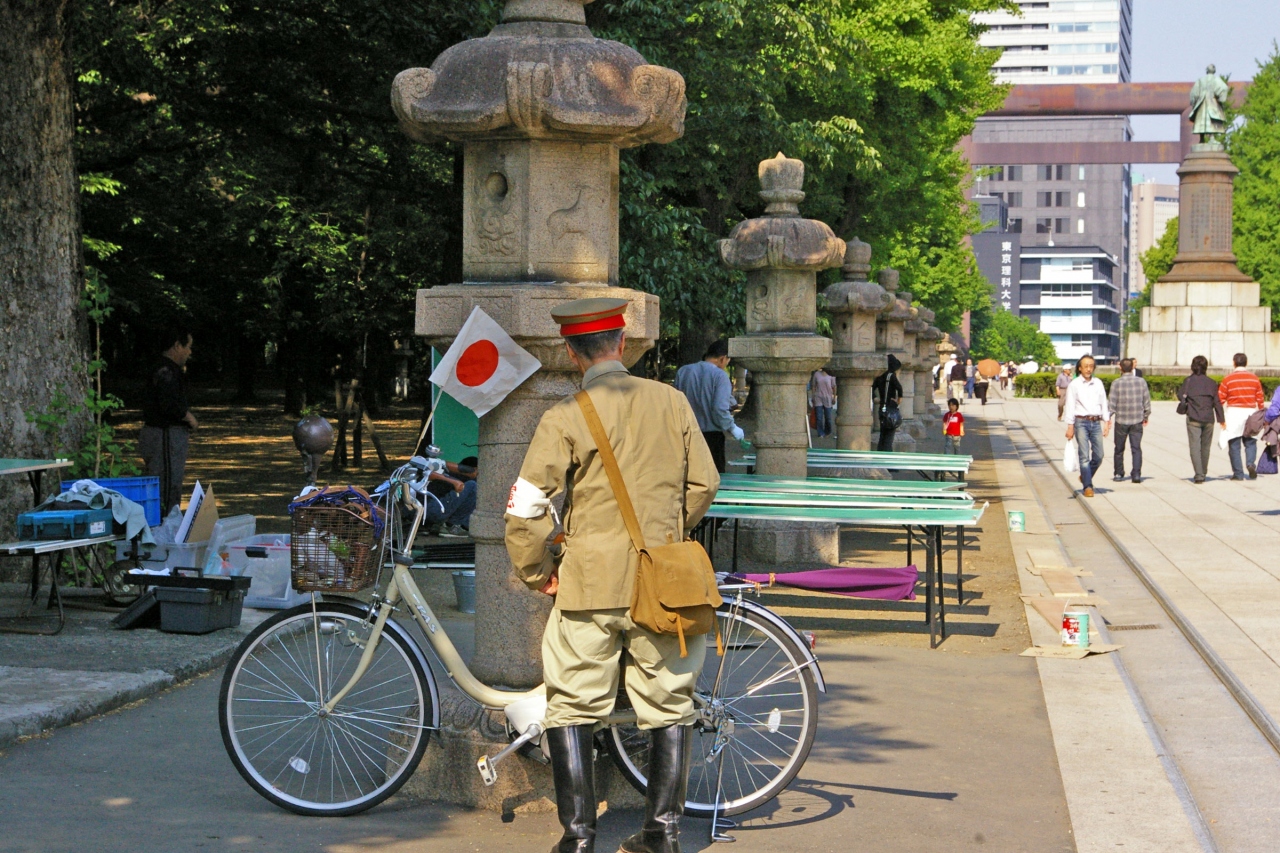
column 1063, row 41
column 1055, row 205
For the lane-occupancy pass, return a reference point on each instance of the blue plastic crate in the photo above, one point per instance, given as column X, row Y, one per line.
column 141, row 490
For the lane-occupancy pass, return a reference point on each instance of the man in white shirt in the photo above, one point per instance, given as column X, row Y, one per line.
column 1088, row 420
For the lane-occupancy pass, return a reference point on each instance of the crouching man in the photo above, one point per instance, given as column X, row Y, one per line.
column 669, row 473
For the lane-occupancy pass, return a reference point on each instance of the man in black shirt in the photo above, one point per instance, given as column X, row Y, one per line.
column 166, row 419
column 888, row 390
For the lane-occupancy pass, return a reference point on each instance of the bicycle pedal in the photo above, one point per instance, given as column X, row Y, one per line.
column 487, row 772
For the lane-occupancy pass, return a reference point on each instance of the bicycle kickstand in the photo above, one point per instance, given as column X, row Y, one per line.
column 486, row 765
column 718, row 821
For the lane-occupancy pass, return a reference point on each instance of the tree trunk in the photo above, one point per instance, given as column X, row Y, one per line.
column 43, row 333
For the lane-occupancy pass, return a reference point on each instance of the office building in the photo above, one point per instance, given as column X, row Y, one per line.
column 1063, row 204
column 1153, row 206
column 1069, row 292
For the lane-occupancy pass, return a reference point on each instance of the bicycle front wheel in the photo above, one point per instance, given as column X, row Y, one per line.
column 311, row 762
column 757, row 717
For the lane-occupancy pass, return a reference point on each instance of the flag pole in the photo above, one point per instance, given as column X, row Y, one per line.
column 426, row 426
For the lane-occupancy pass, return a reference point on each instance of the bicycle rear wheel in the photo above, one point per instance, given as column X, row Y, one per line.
column 324, row 764
column 758, row 714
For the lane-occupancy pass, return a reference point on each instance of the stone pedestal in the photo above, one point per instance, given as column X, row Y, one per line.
column 854, row 305
column 541, row 108
column 1205, row 305
column 782, row 253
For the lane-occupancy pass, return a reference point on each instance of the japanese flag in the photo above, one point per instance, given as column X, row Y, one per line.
column 483, row 366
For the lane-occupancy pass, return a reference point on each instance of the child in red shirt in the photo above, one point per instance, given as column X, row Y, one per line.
column 952, row 427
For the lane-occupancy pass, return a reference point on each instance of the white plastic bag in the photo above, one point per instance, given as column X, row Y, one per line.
column 1071, row 457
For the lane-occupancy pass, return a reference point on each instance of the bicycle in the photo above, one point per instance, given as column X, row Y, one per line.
column 325, row 709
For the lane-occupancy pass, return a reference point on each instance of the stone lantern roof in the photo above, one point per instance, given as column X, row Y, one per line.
column 782, row 239
column 541, row 74
column 855, row 293
column 899, row 310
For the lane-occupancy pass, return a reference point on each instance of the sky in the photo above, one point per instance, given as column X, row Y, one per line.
column 1173, row 40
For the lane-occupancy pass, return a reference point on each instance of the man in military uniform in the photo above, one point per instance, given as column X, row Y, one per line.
column 671, row 478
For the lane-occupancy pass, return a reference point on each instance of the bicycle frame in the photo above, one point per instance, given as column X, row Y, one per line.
column 402, row 586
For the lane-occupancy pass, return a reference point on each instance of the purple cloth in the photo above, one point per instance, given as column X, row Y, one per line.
column 885, row 584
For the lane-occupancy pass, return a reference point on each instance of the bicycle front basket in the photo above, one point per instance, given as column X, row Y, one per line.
column 333, row 550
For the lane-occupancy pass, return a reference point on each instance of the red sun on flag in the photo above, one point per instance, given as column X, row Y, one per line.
column 477, row 363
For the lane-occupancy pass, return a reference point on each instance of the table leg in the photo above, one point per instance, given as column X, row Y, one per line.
column 942, row 602
column 959, row 565
column 908, row 529
column 928, row 588
column 735, row 546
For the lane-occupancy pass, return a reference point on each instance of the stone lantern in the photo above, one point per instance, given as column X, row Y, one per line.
column 926, row 353
column 541, row 108
column 782, row 253
column 891, row 340
column 854, row 305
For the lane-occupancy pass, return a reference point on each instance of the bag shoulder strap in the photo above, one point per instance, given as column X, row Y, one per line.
column 611, row 469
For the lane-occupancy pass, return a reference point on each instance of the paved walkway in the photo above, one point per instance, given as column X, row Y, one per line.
column 1212, row 547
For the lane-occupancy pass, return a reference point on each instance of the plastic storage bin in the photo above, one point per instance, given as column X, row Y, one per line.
column 225, row 531
column 198, row 611
column 266, row 559
column 166, row 556
column 141, row 490
column 64, row 524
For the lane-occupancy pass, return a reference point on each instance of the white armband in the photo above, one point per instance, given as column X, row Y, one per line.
column 527, row 500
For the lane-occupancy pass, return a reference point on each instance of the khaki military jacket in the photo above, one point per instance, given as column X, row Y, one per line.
column 665, row 463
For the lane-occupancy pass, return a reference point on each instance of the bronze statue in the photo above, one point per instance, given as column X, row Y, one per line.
column 1208, row 105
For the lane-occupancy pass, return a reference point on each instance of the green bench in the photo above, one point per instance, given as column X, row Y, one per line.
column 927, row 465
column 853, row 510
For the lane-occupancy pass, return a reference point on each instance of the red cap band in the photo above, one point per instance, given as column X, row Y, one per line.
column 617, row 321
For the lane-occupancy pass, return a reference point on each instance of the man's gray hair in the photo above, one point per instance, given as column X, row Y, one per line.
column 596, row 345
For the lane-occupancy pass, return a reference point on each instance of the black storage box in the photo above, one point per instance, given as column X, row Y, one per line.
column 200, row 605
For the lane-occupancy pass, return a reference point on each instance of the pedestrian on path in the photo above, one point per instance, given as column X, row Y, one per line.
column 956, row 380
column 889, row 391
column 952, row 428
column 1060, row 385
column 710, row 392
column 1130, row 400
column 1004, row 376
column 1088, row 420
column 654, row 435
column 1241, row 395
column 970, row 371
column 167, row 421
column 1270, row 436
column 822, row 396
column 1198, row 400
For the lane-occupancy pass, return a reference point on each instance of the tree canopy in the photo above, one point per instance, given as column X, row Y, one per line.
column 1009, row 337
column 261, row 188
column 1255, row 148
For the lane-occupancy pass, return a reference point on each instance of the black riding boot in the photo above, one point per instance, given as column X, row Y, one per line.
column 573, row 769
column 664, row 800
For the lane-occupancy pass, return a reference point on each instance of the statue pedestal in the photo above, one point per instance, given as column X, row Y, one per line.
column 1205, row 305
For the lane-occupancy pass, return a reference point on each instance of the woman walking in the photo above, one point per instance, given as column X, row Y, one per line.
column 1198, row 400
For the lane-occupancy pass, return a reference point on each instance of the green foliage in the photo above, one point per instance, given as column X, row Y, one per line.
column 1156, row 262
column 1162, row 387
column 1255, row 148
column 246, row 172
column 98, row 453
column 1009, row 337
column 872, row 94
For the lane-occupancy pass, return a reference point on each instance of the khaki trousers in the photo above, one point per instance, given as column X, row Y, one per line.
column 581, row 653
